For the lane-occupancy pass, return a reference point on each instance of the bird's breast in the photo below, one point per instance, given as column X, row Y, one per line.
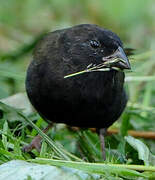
column 95, row 86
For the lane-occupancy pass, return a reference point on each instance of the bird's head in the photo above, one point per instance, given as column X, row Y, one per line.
column 92, row 45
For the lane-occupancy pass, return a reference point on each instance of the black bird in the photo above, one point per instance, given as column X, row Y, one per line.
column 93, row 99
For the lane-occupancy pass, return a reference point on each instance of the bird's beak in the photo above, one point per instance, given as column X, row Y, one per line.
column 123, row 62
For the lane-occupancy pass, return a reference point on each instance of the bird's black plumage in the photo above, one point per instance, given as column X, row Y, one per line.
column 94, row 99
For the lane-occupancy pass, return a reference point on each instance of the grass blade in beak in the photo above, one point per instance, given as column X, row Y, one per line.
column 105, row 66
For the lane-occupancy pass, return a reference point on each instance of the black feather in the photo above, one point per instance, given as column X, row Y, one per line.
column 94, row 99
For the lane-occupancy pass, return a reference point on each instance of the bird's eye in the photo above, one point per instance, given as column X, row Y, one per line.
column 94, row 44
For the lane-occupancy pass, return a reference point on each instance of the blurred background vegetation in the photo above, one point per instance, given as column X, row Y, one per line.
column 22, row 23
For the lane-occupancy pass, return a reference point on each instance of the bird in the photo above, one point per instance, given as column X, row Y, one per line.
column 94, row 99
